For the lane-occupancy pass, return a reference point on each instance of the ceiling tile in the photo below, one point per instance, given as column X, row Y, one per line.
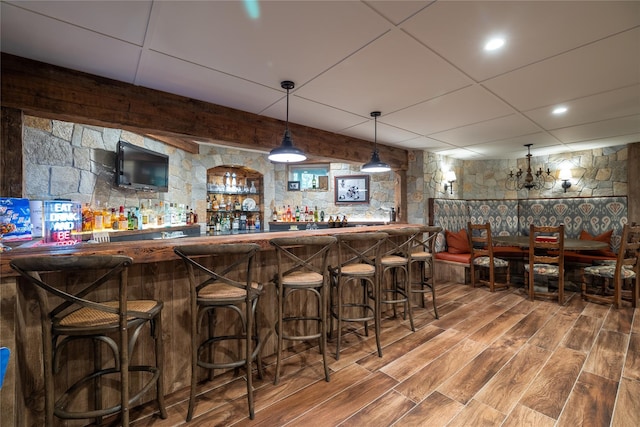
column 574, row 74
column 470, row 105
column 534, row 30
column 490, row 130
column 599, row 130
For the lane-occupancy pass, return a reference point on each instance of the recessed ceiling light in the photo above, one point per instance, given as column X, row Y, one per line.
column 559, row 110
column 494, row 43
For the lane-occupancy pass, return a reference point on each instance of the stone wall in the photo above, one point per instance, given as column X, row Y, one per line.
column 77, row 162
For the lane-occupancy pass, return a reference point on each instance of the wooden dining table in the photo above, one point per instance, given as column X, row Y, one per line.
column 569, row 244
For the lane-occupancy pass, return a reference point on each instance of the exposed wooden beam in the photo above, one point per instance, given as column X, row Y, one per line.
column 46, row 90
column 11, row 172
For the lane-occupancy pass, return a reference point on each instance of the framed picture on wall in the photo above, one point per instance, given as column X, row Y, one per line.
column 293, row 185
column 352, row 189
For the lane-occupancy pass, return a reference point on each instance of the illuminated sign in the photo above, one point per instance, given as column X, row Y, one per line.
column 62, row 222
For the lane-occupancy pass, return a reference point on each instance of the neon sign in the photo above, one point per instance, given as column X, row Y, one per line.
column 62, row 222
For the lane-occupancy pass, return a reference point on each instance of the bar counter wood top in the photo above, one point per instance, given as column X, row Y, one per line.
column 157, row 273
column 146, row 251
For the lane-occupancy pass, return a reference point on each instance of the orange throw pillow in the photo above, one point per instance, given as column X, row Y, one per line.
column 457, row 243
column 604, row 237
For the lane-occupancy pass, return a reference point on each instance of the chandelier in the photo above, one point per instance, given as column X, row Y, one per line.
column 528, row 179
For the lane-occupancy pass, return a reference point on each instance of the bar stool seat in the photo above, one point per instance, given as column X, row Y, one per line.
column 80, row 318
column 220, row 277
column 302, row 268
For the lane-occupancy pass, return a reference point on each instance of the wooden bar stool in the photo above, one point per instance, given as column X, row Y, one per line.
column 395, row 274
column 358, row 258
column 78, row 317
column 220, row 277
column 422, row 248
column 302, row 269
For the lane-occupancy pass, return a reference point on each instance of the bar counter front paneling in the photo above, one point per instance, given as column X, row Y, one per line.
column 157, row 273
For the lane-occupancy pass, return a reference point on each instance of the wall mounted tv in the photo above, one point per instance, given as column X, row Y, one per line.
column 141, row 169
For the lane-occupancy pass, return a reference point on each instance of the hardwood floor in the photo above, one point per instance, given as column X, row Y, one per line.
column 491, row 359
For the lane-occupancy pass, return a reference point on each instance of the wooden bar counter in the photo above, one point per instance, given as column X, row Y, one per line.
column 157, row 273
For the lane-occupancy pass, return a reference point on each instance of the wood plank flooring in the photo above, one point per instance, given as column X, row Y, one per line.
column 493, row 359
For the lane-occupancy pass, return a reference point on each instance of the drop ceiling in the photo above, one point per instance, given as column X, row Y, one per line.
column 421, row 63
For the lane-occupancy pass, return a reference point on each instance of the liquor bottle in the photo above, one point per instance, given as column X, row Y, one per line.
column 122, row 220
column 344, row 221
column 274, row 216
column 214, row 204
column 306, row 214
column 223, row 205
column 236, row 205
column 160, row 214
column 98, row 223
column 106, row 219
column 314, row 182
column 289, row 214
column 316, row 215
column 257, row 224
column 144, row 216
column 87, row 218
column 114, row 219
column 331, row 223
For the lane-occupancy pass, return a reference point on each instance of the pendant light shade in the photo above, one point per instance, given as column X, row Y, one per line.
column 286, row 152
column 375, row 164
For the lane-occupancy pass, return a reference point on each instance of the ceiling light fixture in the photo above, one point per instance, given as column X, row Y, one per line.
column 494, row 43
column 559, row 110
column 286, row 152
column 528, row 179
column 375, row 164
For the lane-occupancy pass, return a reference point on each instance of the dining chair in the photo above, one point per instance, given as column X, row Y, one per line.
column 482, row 261
column 546, row 259
column 613, row 275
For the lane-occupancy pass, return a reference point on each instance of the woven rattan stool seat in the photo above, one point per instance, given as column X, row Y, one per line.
column 90, row 317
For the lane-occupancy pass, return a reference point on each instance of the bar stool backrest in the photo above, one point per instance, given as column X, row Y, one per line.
column 114, row 266
column 294, row 250
column 241, row 256
column 425, row 239
column 365, row 248
column 399, row 241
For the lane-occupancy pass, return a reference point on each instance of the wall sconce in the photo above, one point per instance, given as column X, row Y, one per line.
column 565, row 177
column 450, row 177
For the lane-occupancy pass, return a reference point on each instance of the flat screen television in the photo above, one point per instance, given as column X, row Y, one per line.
column 141, row 169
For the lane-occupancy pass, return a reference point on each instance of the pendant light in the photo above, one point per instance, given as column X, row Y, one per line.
column 286, row 152
column 375, row 165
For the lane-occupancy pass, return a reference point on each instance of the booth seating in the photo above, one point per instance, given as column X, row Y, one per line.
column 601, row 218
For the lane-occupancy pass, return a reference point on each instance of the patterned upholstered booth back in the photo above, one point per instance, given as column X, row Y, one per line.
column 512, row 217
column 594, row 215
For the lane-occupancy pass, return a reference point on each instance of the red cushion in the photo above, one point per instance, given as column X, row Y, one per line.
column 457, row 243
column 448, row 256
column 604, row 237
